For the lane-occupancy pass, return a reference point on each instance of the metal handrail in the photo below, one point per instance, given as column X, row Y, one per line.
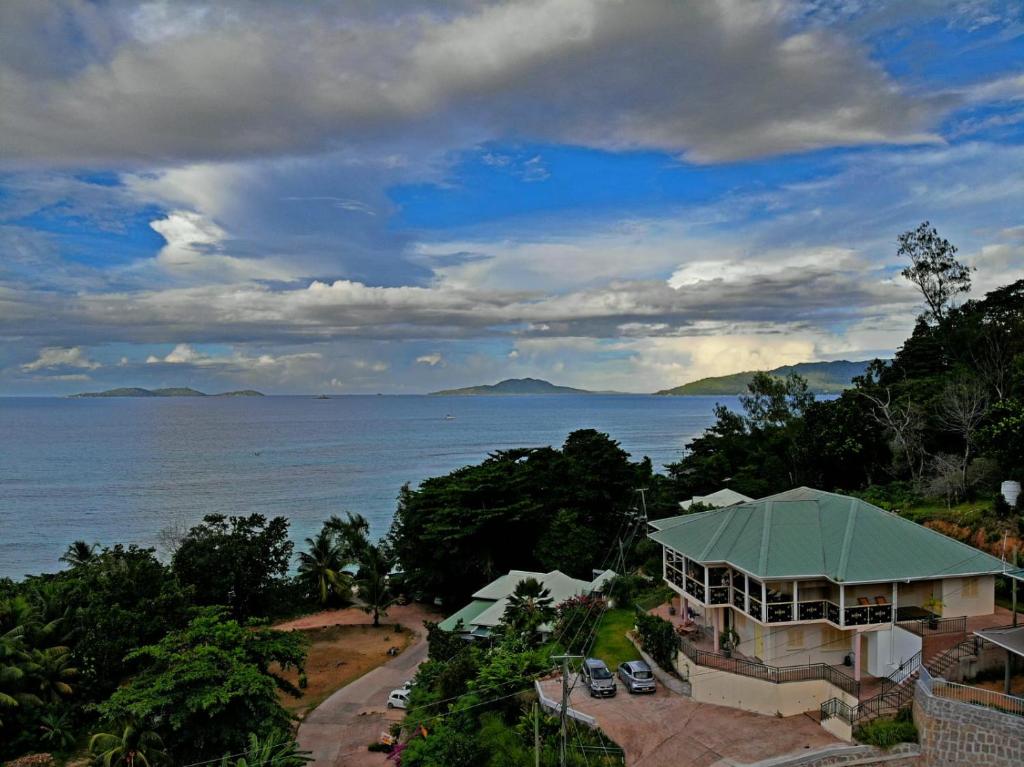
column 922, row 626
column 773, row 674
column 978, row 696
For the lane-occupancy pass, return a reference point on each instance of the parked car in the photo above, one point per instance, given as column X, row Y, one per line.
column 399, row 698
column 636, row 676
column 597, row 678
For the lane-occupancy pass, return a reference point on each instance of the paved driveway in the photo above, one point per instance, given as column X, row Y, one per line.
column 668, row 730
column 338, row 731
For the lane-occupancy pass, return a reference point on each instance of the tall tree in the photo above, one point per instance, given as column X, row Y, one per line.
column 320, row 567
column 372, row 581
column 206, row 687
column 235, row 561
column 934, row 269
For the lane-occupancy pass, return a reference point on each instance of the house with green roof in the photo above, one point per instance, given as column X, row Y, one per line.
column 483, row 614
column 808, row 577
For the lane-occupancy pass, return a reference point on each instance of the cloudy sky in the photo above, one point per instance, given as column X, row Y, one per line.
column 405, row 196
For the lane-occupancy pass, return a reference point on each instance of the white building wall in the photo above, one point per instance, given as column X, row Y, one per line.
column 888, row 649
column 968, row 596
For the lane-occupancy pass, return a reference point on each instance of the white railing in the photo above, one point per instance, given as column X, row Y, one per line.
column 978, row 696
column 555, row 707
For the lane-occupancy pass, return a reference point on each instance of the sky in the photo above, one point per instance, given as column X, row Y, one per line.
column 406, row 196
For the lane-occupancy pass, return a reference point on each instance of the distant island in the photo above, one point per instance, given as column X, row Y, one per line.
column 822, row 378
column 181, row 391
column 513, row 386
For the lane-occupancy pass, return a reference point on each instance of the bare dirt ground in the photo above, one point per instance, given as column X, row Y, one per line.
column 340, row 654
column 338, row 731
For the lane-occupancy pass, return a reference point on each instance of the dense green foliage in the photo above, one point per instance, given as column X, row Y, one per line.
column 240, row 562
column 210, row 684
column 886, row 733
column 526, row 509
column 658, row 638
column 476, row 708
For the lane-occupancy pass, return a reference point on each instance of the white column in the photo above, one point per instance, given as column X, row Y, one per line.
column 842, row 604
column 895, row 593
column 796, row 595
column 707, row 585
column 764, row 602
column 856, row 655
column 746, row 593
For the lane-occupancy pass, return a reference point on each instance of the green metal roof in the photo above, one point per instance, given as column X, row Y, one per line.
column 809, row 533
column 467, row 614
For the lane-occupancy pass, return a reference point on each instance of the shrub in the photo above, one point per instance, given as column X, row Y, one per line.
column 886, row 733
column 658, row 639
column 576, row 618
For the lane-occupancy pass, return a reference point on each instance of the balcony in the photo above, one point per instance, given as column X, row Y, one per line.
column 780, row 612
column 755, row 608
column 718, row 595
column 695, row 589
column 866, row 615
column 738, row 600
column 813, row 611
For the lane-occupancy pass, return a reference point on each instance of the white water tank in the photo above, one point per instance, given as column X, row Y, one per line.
column 1010, row 490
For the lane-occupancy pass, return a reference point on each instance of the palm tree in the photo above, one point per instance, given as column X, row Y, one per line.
column 56, row 730
column 51, row 670
column 275, row 749
column 78, row 553
column 15, row 671
column 129, row 745
column 373, row 583
column 320, row 567
column 353, row 533
column 529, row 607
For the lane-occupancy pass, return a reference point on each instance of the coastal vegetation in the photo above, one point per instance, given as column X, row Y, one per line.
column 177, row 391
column 822, row 378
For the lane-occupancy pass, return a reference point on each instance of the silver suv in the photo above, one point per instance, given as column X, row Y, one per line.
column 597, row 678
column 637, row 676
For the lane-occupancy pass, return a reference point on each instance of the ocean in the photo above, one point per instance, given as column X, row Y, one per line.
column 121, row 470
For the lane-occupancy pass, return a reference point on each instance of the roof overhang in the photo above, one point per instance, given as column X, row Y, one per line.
column 823, row 577
column 1010, row 638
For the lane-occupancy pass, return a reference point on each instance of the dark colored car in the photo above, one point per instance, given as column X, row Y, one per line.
column 597, row 678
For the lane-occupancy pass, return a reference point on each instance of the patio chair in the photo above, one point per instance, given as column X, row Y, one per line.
column 881, row 601
column 863, row 601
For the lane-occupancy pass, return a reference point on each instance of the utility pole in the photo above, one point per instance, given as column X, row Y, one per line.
column 565, row 702
column 1013, row 588
column 643, row 502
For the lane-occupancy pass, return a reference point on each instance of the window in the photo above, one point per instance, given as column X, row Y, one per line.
column 970, row 588
column 831, row 638
column 795, row 639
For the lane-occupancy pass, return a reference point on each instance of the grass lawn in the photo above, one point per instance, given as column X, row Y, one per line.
column 611, row 644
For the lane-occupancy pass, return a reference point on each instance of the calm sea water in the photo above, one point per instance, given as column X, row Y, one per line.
column 121, row 470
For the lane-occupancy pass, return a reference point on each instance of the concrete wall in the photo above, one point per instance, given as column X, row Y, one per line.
column 805, row 643
column 726, row 689
column 953, row 734
column 968, row 596
column 886, row 650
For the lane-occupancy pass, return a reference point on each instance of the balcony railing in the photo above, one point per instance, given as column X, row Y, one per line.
column 977, row 696
column 738, row 599
column 780, row 613
column 719, row 595
column 811, row 611
column 774, row 674
column 755, row 608
column 865, row 615
column 695, row 589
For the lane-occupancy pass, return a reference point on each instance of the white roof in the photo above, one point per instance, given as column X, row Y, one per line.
column 717, row 499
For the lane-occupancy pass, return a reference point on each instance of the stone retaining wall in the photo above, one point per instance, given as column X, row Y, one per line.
column 900, row 755
column 953, row 733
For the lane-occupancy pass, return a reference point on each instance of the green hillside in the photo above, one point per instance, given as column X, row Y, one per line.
column 822, row 377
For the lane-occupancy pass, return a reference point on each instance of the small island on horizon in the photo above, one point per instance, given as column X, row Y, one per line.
column 822, row 378
column 176, row 391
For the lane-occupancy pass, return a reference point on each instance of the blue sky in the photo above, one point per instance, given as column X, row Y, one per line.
column 355, row 198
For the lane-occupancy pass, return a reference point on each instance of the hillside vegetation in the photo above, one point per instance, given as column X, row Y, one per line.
column 822, row 378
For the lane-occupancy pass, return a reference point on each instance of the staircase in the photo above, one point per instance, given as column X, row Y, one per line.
column 898, row 688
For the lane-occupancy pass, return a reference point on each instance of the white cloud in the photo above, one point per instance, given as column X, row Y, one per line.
column 55, row 357
column 433, row 359
column 374, row 366
column 186, row 354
